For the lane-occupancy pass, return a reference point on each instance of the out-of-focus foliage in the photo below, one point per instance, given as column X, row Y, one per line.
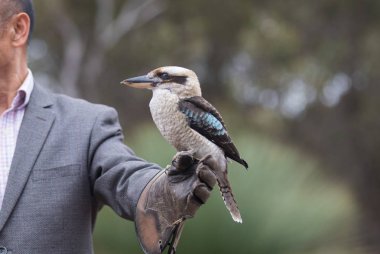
column 287, row 206
column 305, row 73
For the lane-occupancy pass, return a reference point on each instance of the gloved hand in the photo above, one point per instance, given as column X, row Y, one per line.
column 172, row 196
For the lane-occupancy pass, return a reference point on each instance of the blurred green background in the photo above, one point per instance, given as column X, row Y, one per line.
column 296, row 83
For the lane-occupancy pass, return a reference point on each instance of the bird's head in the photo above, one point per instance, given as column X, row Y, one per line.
column 180, row 81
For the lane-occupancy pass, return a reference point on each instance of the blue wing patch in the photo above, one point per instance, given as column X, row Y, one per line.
column 211, row 120
column 205, row 121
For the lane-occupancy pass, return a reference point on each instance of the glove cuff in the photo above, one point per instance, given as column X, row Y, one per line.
column 155, row 231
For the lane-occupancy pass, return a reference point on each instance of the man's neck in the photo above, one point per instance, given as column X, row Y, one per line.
column 10, row 81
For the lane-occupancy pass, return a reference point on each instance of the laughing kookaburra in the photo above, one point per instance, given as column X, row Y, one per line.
column 189, row 122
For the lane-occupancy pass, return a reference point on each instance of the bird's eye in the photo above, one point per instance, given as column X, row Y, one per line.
column 164, row 75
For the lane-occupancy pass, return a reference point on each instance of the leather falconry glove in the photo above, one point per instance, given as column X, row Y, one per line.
column 171, row 197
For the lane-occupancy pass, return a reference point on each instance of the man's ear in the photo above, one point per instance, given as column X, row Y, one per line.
column 19, row 25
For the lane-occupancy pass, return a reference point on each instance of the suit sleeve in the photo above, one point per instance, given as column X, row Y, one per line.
column 117, row 175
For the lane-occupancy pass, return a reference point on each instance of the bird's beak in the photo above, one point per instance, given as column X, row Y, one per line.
column 140, row 82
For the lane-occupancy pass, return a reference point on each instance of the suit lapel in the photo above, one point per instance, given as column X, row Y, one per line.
column 34, row 130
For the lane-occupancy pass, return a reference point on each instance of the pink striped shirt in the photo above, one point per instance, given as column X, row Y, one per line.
column 10, row 122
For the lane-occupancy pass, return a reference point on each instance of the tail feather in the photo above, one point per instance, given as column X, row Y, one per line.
column 231, row 204
column 226, row 191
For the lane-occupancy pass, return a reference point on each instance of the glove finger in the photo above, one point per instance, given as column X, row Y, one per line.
column 183, row 160
column 202, row 193
column 206, row 176
column 210, row 162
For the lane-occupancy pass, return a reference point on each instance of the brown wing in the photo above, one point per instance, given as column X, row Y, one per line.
column 206, row 120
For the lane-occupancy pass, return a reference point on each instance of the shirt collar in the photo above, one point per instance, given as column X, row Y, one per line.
column 23, row 93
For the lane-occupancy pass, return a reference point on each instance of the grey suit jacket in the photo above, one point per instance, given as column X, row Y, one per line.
column 69, row 161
